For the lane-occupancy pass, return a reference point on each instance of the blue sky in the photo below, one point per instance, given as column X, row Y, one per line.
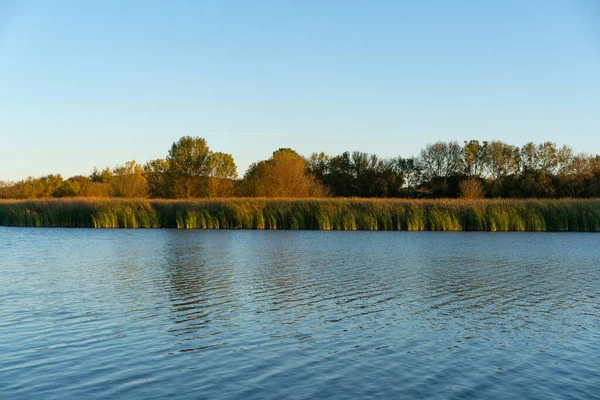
column 97, row 83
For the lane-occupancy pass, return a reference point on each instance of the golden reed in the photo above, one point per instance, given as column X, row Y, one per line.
column 581, row 215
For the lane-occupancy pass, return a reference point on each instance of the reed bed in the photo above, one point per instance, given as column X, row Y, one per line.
column 317, row 214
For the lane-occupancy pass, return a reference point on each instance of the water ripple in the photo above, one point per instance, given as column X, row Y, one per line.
column 299, row 315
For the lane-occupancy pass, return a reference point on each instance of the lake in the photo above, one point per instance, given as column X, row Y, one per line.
column 142, row 314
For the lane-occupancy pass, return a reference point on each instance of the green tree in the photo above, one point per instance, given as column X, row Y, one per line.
column 341, row 177
column 100, row 176
column 475, row 158
column 411, row 172
column 545, row 158
column 69, row 188
column 318, row 165
column 156, row 173
column 222, row 173
column 502, row 159
column 189, row 167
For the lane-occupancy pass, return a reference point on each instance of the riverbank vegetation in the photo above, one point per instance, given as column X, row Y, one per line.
column 472, row 170
column 318, row 214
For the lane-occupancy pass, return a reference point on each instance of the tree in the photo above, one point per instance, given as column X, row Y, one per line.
column 128, row 180
column 71, row 187
column 222, row 172
column 475, row 158
column 287, row 150
column 340, row 176
column 379, row 188
column 285, row 174
column 189, row 167
column 545, row 157
column 100, row 176
column 374, row 177
column 581, row 164
column 318, row 165
column 7, row 190
column 442, row 164
column 40, row 187
column 502, row 159
column 440, row 159
column 564, row 160
column 357, row 174
column 411, row 171
column 222, row 166
column 157, row 178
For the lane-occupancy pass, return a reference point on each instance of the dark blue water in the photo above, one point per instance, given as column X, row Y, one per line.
column 141, row 314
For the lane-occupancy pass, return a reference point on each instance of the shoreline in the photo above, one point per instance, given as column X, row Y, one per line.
column 505, row 215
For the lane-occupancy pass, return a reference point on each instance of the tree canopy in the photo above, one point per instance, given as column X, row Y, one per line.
column 285, row 174
column 190, row 169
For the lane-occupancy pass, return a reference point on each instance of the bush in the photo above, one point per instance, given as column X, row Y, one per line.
column 471, row 189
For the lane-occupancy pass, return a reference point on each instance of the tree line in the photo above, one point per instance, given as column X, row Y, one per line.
column 473, row 169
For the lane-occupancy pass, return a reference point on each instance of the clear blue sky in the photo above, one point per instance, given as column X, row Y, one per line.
column 97, row 83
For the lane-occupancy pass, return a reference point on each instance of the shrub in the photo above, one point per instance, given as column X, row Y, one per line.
column 471, row 189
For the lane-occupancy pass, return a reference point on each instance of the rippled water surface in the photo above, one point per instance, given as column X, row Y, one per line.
column 299, row 314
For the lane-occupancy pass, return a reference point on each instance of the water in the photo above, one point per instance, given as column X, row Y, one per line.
column 300, row 314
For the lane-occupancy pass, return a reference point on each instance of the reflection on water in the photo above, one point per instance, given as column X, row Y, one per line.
column 249, row 314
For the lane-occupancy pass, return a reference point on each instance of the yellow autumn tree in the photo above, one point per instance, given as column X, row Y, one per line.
column 285, row 174
column 128, row 180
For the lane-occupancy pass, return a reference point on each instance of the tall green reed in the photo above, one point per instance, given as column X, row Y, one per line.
column 320, row 214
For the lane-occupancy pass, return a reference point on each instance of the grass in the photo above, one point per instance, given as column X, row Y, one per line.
column 319, row 214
